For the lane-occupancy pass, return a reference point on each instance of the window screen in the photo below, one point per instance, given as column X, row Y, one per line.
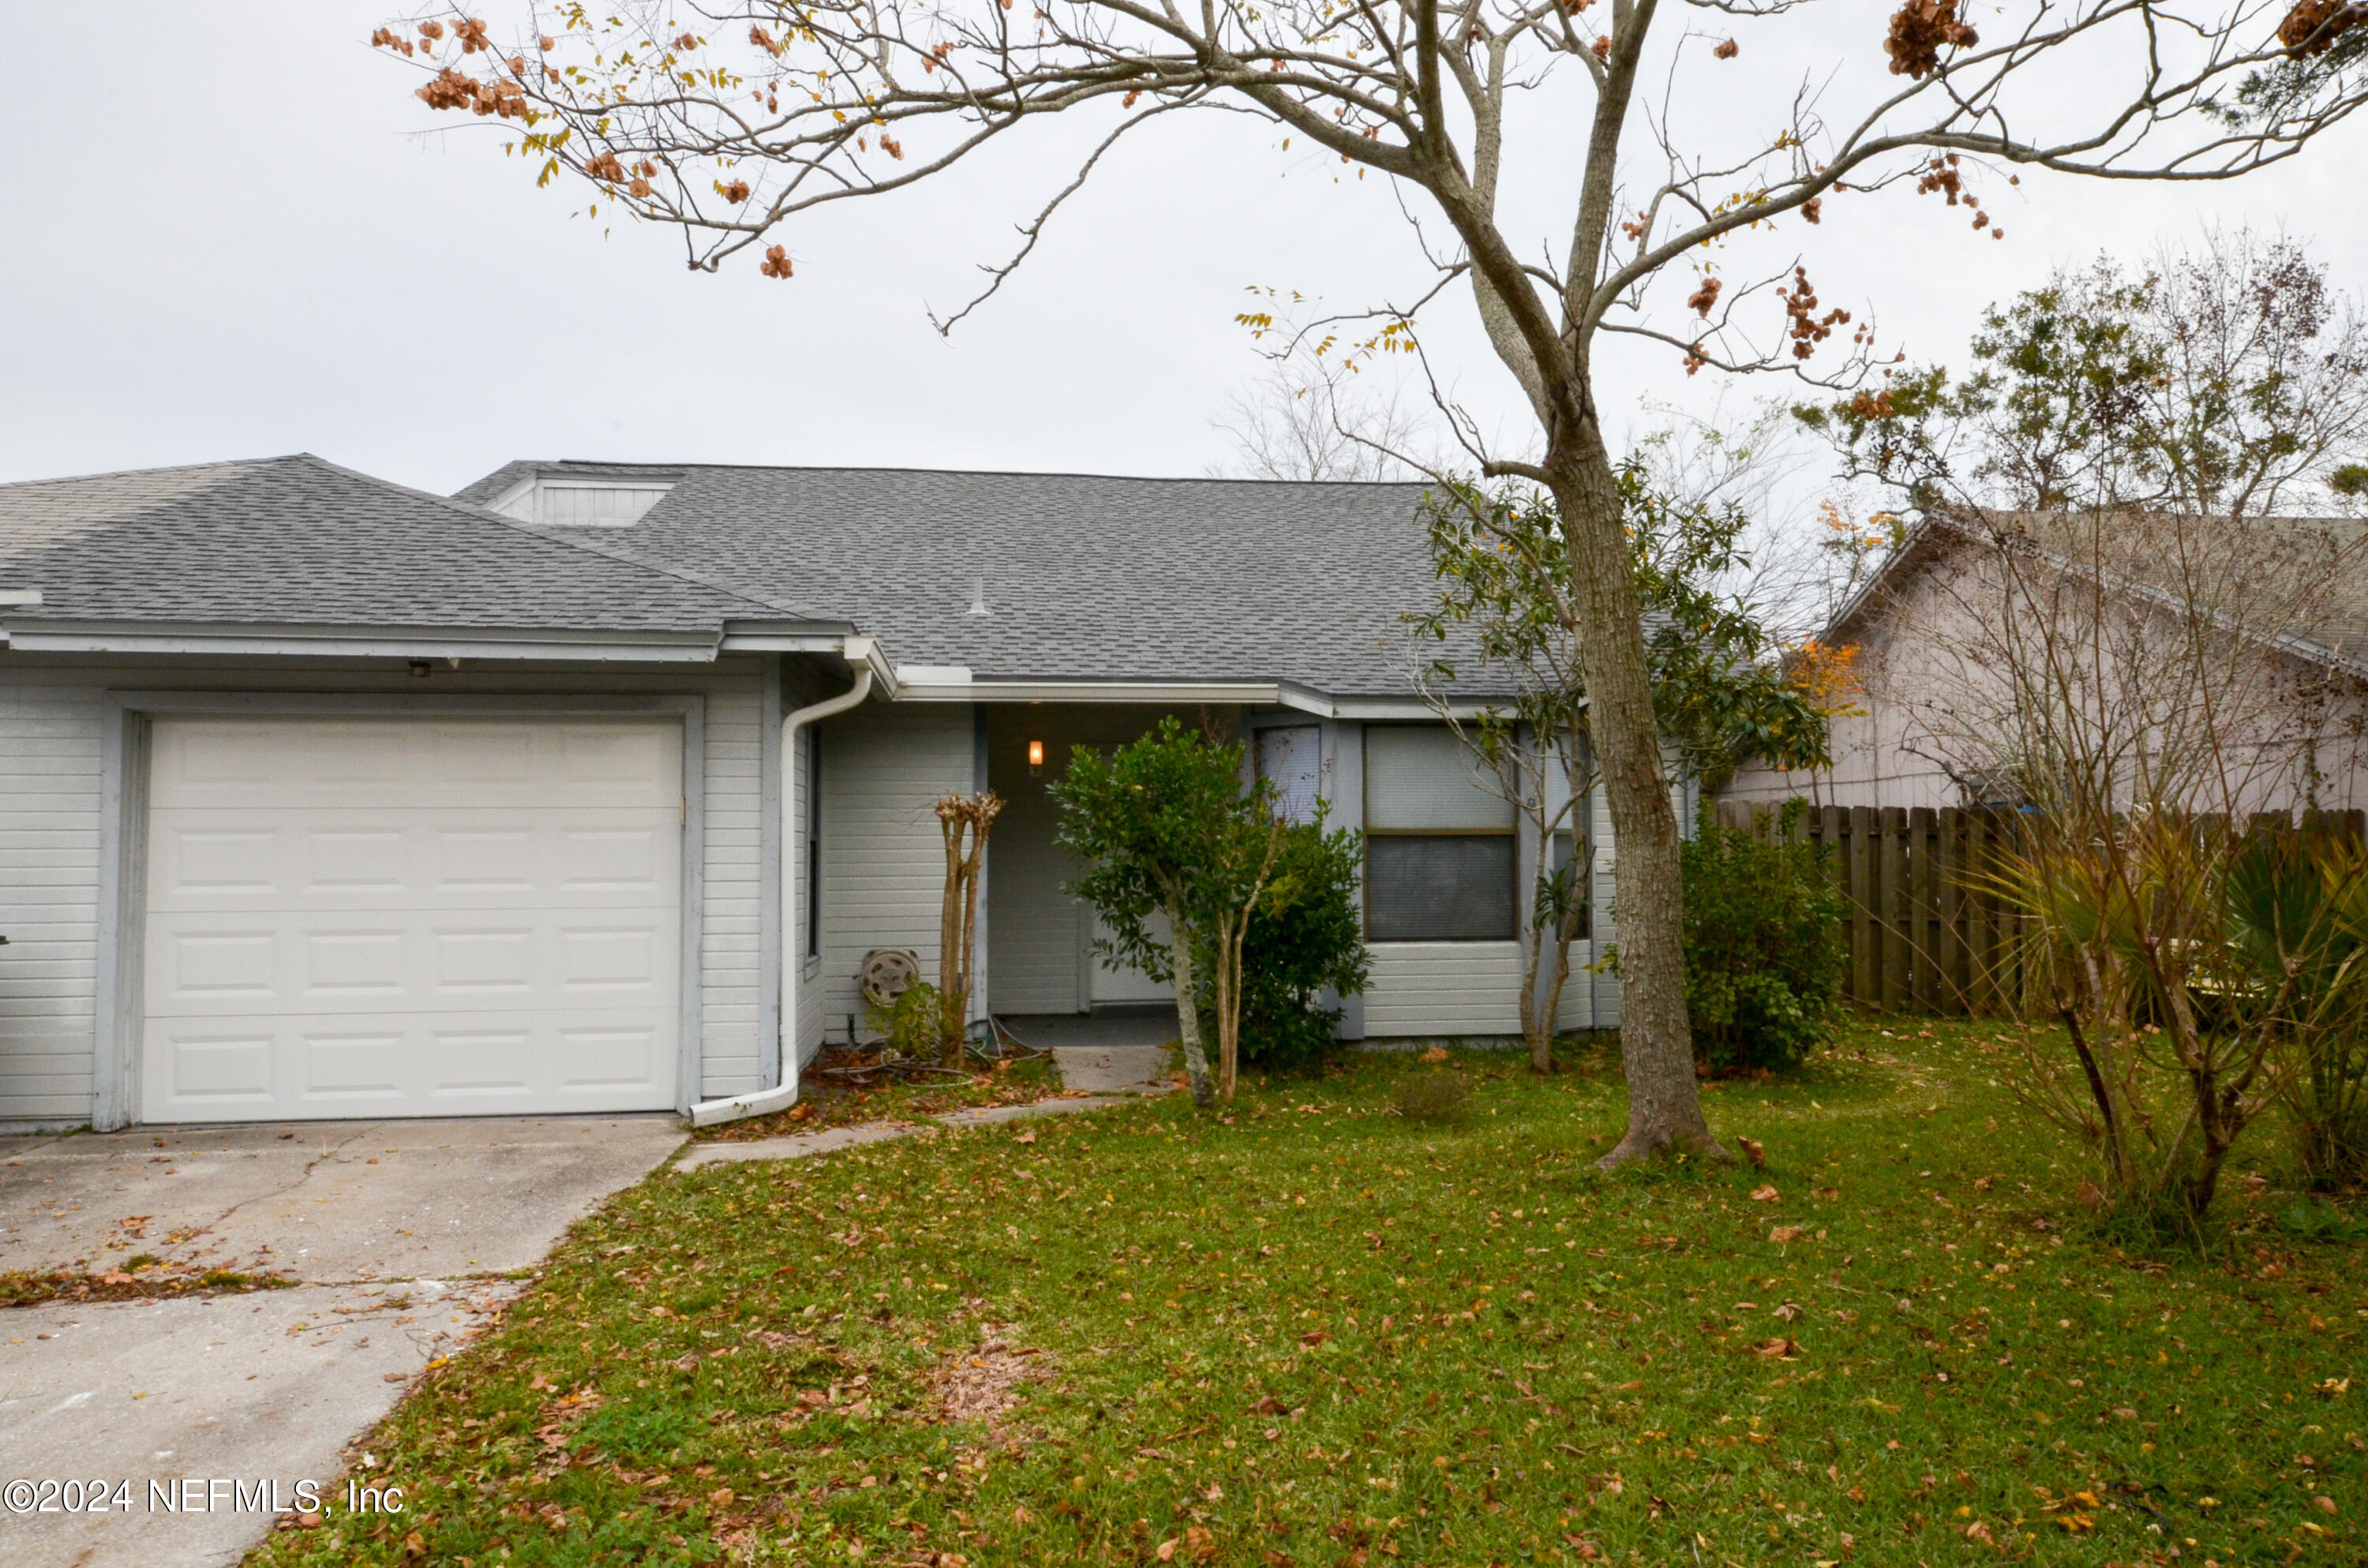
column 1439, row 847
column 1419, row 777
column 1457, row 888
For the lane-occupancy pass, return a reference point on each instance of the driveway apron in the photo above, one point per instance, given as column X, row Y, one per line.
column 180, row 1428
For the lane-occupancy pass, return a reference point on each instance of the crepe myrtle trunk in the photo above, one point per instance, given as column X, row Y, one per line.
column 1188, row 1010
column 1656, row 1044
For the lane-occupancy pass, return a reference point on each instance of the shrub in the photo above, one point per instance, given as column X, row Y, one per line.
column 909, row 1023
column 1436, row 1097
column 1306, row 937
column 1764, row 945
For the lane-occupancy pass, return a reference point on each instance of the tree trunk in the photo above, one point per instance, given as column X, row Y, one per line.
column 1540, row 1041
column 1656, row 1044
column 952, row 954
column 1229, row 1007
column 1187, row 1012
column 1549, row 996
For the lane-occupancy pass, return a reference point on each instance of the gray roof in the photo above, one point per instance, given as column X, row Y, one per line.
column 2308, row 568
column 299, row 541
column 1083, row 576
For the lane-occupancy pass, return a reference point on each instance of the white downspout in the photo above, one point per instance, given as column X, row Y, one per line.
column 860, row 652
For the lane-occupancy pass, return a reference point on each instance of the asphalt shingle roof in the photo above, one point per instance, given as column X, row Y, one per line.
column 296, row 540
column 1083, row 576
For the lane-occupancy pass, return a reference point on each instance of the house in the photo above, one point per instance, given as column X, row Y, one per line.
column 591, row 787
column 1930, row 720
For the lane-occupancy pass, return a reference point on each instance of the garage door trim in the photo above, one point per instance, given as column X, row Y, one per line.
column 124, row 827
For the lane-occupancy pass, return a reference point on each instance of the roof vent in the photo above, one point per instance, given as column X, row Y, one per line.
column 978, row 596
column 590, row 502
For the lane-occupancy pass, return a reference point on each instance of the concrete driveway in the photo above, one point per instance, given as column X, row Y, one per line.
column 189, row 1411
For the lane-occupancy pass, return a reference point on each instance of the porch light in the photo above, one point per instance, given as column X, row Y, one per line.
column 1035, row 756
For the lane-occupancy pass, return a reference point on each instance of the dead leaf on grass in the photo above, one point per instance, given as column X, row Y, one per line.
column 981, row 1385
column 1767, row 1194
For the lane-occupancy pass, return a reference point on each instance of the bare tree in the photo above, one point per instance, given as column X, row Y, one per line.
column 751, row 114
column 1309, row 420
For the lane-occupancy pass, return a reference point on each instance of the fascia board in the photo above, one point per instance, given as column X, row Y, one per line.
column 1089, row 691
column 152, row 638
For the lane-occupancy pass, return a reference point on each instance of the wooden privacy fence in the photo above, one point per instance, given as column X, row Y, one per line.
column 1925, row 935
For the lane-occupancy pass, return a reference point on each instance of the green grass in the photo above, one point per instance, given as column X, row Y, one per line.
column 1316, row 1333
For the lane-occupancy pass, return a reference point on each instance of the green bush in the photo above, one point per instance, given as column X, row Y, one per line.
column 1764, row 943
column 1307, row 938
column 908, row 1024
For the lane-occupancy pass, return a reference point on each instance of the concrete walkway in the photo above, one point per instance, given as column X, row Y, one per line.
column 398, row 1233
column 1095, row 1077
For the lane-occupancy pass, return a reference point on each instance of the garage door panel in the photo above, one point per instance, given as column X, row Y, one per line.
column 366, row 966
column 488, row 1064
column 227, row 1074
column 256, row 858
column 220, row 966
column 462, row 765
column 389, row 919
column 348, row 1065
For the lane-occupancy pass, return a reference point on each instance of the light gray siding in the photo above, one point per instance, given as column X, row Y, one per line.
column 52, row 711
column 883, row 864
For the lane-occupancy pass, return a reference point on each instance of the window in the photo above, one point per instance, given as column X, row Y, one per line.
column 1290, row 757
column 813, row 829
column 1439, row 862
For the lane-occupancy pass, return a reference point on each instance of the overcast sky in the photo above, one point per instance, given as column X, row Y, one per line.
column 228, row 238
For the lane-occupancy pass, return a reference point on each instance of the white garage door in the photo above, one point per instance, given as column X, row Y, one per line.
column 360, row 918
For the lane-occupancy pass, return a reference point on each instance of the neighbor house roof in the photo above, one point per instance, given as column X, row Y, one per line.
column 1083, row 576
column 2328, row 551
column 297, row 542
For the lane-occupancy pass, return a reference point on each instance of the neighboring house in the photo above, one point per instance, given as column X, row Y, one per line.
column 1924, row 632
column 590, row 789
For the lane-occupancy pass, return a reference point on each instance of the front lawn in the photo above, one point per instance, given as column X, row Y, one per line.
column 1319, row 1334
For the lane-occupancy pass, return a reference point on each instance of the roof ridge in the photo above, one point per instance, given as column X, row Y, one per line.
column 159, row 467
column 476, row 513
column 538, row 463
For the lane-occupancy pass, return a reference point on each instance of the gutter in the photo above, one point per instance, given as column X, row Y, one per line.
column 863, row 655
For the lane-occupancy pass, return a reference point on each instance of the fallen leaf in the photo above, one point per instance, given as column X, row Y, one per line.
column 1767, row 1194
column 1782, row 1233
column 1753, row 1152
column 1785, row 1349
column 1026, row 1137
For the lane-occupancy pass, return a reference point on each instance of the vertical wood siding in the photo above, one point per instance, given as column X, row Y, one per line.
column 52, row 714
